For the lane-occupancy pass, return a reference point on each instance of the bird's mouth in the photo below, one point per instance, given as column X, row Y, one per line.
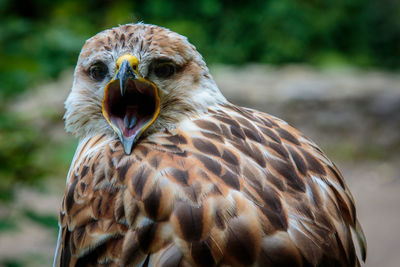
column 130, row 105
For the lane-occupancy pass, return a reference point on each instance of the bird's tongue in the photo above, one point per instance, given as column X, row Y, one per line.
column 130, row 120
column 130, row 117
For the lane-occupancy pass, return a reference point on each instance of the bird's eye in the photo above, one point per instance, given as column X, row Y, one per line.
column 98, row 71
column 164, row 70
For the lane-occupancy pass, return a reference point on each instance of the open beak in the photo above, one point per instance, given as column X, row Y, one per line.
column 131, row 103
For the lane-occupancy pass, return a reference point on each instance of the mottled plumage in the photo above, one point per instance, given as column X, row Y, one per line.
column 208, row 183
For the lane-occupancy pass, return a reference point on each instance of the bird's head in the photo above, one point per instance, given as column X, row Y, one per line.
column 136, row 79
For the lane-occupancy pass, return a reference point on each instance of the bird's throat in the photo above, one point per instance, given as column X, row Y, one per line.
column 131, row 113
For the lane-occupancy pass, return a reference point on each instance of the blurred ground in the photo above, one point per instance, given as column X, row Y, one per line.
column 353, row 115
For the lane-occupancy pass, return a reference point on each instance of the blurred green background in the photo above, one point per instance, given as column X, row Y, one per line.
column 39, row 39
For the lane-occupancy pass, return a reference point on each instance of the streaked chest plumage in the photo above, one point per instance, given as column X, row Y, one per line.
column 231, row 187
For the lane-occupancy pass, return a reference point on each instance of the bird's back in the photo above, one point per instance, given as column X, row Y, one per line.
column 232, row 187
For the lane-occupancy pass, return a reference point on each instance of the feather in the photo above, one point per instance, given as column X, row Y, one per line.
column 208, row 184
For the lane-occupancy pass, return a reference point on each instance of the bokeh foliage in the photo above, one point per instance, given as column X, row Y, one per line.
column 28, row 153
column 39, row 38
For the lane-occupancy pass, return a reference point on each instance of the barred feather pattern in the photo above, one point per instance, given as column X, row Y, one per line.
column 230, row 187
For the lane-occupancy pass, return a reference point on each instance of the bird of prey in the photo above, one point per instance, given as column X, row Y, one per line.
column 169, row 173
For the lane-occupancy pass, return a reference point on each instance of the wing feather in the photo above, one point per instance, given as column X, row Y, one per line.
column 231, row 187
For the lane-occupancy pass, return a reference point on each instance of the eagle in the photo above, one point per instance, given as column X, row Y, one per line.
column 167, row 172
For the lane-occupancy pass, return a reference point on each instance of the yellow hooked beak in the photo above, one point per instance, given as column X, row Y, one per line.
column 131, row 103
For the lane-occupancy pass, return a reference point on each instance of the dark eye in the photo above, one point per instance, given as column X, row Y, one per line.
column 98, row 71
column 164, row 70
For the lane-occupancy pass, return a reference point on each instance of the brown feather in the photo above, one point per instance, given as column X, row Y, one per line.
column 310, row 223
column 227, row 186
